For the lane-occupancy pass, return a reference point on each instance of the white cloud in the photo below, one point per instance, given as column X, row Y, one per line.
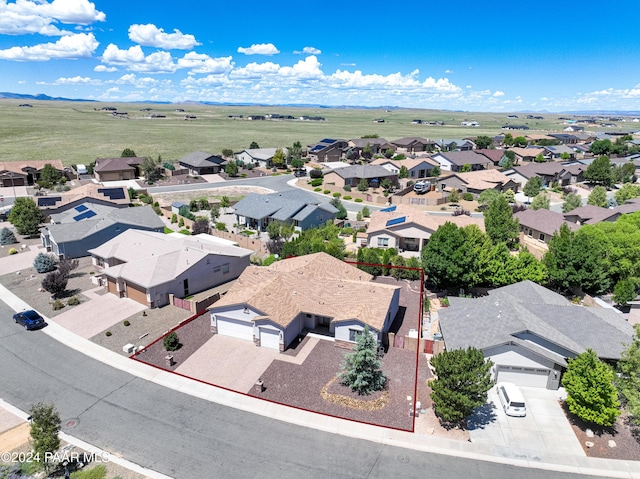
column 256, row 70
column 113, row 55
column 308, row 51
column 259, row 49
column 38, row 16
column 77, row 80
column 151, row 36
column 104, row 69
column 81, row 45
column 200, row 63
column 133, row 59
column 498, row 94
column 448, row 71
column 305, row 69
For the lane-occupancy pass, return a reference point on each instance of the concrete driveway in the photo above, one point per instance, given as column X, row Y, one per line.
column 544, row 433
column 22, row 260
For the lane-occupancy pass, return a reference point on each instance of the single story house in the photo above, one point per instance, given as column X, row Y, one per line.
column 455, row 144
column 149, row 266
column 377, row 145
column 590, row 214
column 260, row 157
column 74, row 232
column 117, row 197
column 117, row 169
column 416, row 167
column 327, row 149
column 272, row 306
column 555, row 152
column 26, row 173
column 414, row 144
column 541, row 224
column 352, row 175
column 526, row 155
column 305, row 210
column 494, row 155
column 408, row 229
column 549, row 173
column 565, row 138
column 456, row 160
column 530, row 332
column 200, row 163
column 475, row 182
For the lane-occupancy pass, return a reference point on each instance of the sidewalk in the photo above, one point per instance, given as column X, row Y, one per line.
column 407, row 440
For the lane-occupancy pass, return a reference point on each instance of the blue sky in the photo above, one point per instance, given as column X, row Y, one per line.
column 457, row 55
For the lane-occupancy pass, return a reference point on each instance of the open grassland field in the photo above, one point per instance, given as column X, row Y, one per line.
column 78, row 132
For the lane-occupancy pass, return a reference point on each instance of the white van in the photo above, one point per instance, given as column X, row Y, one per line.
column 511, row 399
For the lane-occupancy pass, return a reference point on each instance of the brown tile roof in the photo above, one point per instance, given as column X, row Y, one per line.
column 116, row 164
column 483, row 179
column 21, row 166
column 543, row 220
column 493, row 155
column 316, row 284
column 88, row 192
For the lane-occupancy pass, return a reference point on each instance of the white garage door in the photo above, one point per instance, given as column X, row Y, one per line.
column 531, row 377
column 269, row 339
column 235, row 328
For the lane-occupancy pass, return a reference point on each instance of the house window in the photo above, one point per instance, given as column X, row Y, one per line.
column 216, row 269
column 530, row 232
column 353, row 334
column 383, row 242
column 225, row 268
column 413, row 174
column 541, row 236
column 185, row 285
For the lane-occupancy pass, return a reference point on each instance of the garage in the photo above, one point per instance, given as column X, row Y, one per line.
column 136, row 293
column 530, row 377
column 269, row 338
column 235, row 328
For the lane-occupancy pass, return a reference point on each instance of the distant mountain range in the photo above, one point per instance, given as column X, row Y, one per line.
column 41, row 96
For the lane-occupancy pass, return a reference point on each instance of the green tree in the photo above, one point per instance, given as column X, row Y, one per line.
column 591, row 394
column 507, row 160
column 26, row 216
column 231, row 169
column 627, row 380
column 171, row 342
column 540, row 158
column 366, row 213
column 520, row 141
column 404, row 172
column 150, row 168
column 363, row 185
column 55, row 282
column 532, row 187
column 128, row 153
column 389, row 153
column 342, row 211
column 624, row 291
column 626, row 192
column 571, row 202
column 227, row 152
column 541, row 201
column 279, row 159
column 254, row 146
column 598, row 197
column 386, row 184
column 201, row 225
column 225, row 203
column 295, row 155
column 510, row 196
column 367, row 151
column 463, row 379
column 486, row 197
column 465, row 168
column 214, row 213
column 483, row 142
column 49, row 176
column 508, row 140
column 443, row 259
column 601, row 147
column 434, row 172
column 44, row 430
column 44, row 262
column 500, row 224
column 314, row 240
column 361, row 368
column 599, row 172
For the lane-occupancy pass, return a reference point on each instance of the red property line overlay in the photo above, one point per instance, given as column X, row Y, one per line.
column 354, row 263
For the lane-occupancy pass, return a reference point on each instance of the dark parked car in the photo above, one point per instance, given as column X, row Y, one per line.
column 29, row 319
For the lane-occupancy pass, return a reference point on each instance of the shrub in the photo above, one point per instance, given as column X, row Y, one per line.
column 43, row 263
column 73, row 301
column 13, row 251
column 358, row 200
column 316, row 182
column 346, row 187
column 347, row 198
column 337, row 195
column 467, row 197
column 57, row 304
column 184, row 232
column 126, row 322
column 181, row 222
column 221, row 226
column 326, row 192
column 7, row 237
column 317, row 189
column 171, row 342
column 269, row 260
column 97, row 472
column 316, row 173
column 174, row 218
column 108, row 333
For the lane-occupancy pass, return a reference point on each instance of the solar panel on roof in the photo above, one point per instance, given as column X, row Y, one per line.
column 389, row 209
column 85, row 215
column 396, row 221
column 113, row 193
column 328, row 141
column 80, row 208
column 49, row 200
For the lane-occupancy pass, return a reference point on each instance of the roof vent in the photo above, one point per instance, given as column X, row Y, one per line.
column 246, row 310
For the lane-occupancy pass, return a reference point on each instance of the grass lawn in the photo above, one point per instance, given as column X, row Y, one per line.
column 78, row 132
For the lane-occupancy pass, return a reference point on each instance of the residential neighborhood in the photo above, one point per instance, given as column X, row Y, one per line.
column 474, row 259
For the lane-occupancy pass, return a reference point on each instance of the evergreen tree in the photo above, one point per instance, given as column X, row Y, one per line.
column 128, row 153
column 628, row 378
column 45, row 426
column 463, row 379
column 231, row 169
column 363, row 185
column 598, row 197
column 532, row 187
column 541, row 201
column 571, row 202
column 49, row 176
column 342, row 211
column 361, row 367
column 26, row 216
column 599, row 171
column 7, row 236
column 43, row 263
column 591, row 394
column 403, row 173
column 500, row 224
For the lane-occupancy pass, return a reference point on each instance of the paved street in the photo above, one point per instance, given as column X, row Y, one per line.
column 183, row 436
